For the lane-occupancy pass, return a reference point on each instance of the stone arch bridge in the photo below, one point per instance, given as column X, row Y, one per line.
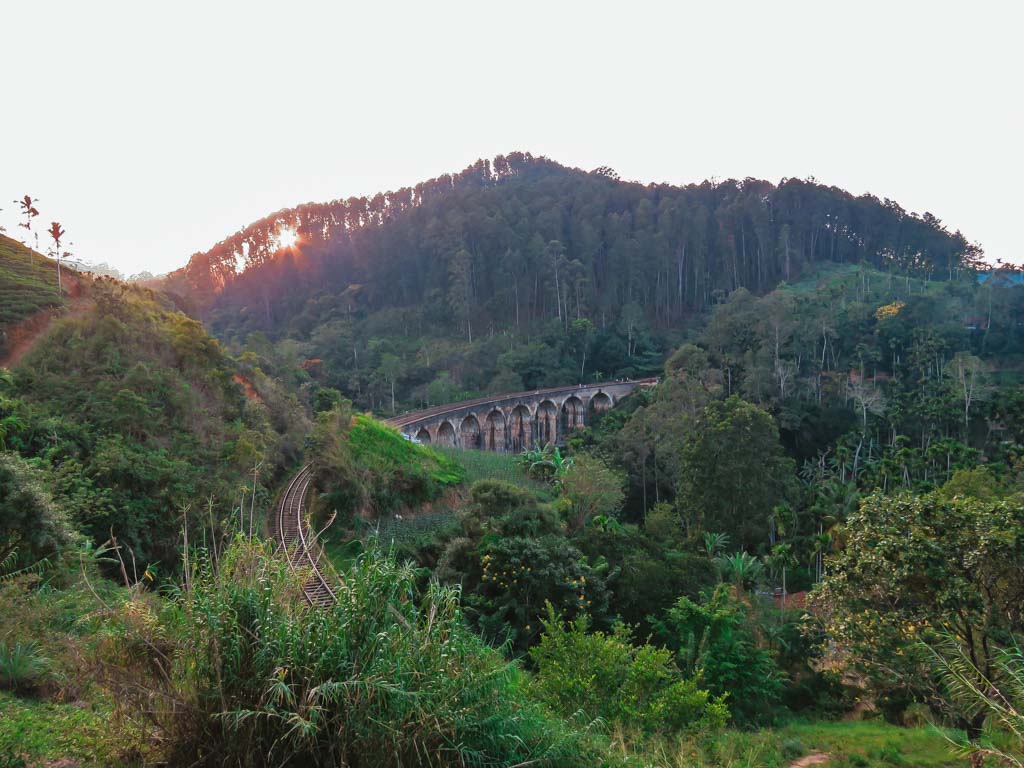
column 514, row 422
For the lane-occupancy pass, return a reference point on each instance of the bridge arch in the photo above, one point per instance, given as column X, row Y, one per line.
column 469, row 433
column 446, row 434
column 600, row 403
column 547, row 423
column 424, row 435
column 573, row 414
column 520, row 430
column 494, row 432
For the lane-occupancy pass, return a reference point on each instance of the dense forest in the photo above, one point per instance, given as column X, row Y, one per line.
column 520, row 272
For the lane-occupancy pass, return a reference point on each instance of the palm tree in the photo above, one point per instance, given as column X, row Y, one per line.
column 742, row 569
column 715, row 544
column 57, row 232
column 997, row 697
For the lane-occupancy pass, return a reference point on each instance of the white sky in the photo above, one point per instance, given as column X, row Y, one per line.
column 153, row 130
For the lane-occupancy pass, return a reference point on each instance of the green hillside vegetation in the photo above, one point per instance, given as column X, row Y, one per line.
column 816, row 517
column 361, row 466
column 131, row 413
column 519, row 273
column 28, row 283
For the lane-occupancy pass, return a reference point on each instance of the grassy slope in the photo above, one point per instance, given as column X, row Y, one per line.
column 28, row 282
column 486, row 465
column 870, row 743
column 381, row 449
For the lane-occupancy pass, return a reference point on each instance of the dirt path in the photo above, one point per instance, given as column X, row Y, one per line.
column 22, row 337
column 814, row 758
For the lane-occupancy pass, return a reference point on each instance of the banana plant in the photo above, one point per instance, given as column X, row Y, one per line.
column 548, row 463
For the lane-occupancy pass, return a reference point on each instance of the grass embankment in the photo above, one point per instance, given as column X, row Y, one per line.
column 28, row 283
column 854, row 744
column 383, row 452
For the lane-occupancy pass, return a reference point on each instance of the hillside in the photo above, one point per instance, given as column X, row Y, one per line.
column 521, row 273
column 28, row 282
column 28, row 295
column 134, row 419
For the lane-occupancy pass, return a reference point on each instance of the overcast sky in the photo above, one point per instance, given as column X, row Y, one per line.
column 153, row 130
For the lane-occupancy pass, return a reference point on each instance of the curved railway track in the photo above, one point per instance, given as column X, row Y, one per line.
column 303, row 554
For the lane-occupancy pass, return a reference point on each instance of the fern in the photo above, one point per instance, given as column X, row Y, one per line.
column 9, row 566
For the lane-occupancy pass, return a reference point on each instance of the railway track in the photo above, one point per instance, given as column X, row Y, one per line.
column 303, row 554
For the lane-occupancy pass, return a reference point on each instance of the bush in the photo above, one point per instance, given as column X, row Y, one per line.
column 511, row 559
column 605, row 676
column 22, row 666
column 32, row 521
column 385, row 677
column 715, row 638
column 793, row 748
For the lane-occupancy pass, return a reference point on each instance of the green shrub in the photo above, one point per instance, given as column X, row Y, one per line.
column 22, row 666
column 793, row 748
column 715, row 638
column 511, row 559
column 605, row 676
column 385, row 677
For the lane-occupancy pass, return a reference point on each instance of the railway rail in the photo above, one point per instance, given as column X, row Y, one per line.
column 303, row 553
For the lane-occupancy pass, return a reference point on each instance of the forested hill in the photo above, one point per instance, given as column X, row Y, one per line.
column 519, row 239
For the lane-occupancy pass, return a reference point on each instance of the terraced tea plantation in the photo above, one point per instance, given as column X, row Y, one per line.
column 28, row 283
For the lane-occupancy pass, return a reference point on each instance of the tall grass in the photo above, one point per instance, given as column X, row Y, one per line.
column 22, row 666
column 387, row 677
column 489, row 465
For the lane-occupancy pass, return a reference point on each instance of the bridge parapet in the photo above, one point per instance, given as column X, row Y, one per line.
column 516, row 421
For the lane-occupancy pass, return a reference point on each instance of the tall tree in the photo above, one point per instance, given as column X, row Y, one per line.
column 734, row 471
column 913, row 567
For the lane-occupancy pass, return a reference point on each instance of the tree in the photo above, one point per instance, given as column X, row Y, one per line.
column 326, row 398
column 913, row 567
column 460, row 289
column 590, row 488
column 689, row 360
column 741, row 569
column 57, row 232
column 392, row 367
column 1002, row 696
column 583, row 336
column 969, row 375
column 869, row 399
column 440, row 390
column 733, row 471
